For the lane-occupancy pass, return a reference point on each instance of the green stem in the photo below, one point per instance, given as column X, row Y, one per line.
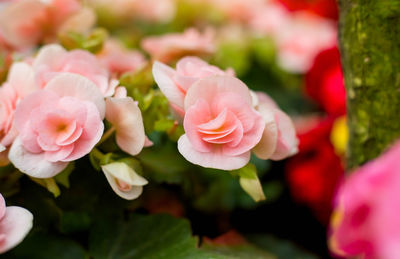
column 106, row 135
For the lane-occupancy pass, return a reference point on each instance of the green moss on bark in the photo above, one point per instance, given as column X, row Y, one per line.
column 369, row 34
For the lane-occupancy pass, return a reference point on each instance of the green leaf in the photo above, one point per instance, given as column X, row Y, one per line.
column 63, row 177
column 154, row 236
column 74, row 221
column 245, row 250
column 43, row 246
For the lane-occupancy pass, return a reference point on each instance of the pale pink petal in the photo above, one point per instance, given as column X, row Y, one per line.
column 34, row 165
column 120, row 92
column 210, row 87
column 25, row 108
column 60, row 154
column 46, row 55
column 15, row 225
column 148, row 142
column 287, row 140
column 265, row 99
column 2, row 148
column 67, row 84
column 120, row 172
column 126, row 116
column 198, row 114
column 250, row 139
column 213, row 159
column 163, row 75
column 92, row 132
column 267, row 145
column 22, row 79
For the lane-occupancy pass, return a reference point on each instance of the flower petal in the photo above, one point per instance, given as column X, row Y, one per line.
column 46, row 56
column 267, row 145
column 22, row 79
column 163, row 75
column 214, row 159
column 15, row 225
column 34, row 165
column 67, row 84
column 126, row 116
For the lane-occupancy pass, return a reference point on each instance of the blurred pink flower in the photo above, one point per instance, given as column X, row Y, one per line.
column 172, row 46
column 269, row 18
column 175, row 83
column 79, row 62
column 154, row 10
column 238, row 10
column 15, row 223
column 26, row 23
column 366, row 222
column 119, row 60
column 221, row 125
column 300, row 40
column 279, row 139
column 56, row 125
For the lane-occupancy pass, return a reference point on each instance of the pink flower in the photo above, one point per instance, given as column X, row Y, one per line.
column 126, row 117
column 279, row 139
column 25, row 23
column 154, row 10
column 168, row 47
column 238, row 10
column 269, row 18
column 119, row 60
column 366, row 222
column 221, row 126
column 56, row 125
column 175, row 83
column 15, row 223
column 301, row 39
column 20, row 82
column 79, row 62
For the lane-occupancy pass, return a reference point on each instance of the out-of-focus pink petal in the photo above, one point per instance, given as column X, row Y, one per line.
column 79, row 22
column 34, row 165
column 46, row 56
column 287, row 140
column 20, row 23
column 15, row 225
column 126, row 117
column 148, row 142
column 210, row 87
column 68, row 84
column 22, row 78
column 163, row 75
column 211, row 159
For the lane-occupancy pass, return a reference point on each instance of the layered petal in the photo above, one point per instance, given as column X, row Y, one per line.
column 126, row 117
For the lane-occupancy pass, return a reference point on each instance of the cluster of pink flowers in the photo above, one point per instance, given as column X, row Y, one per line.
column 223, row 120
column 52, row 109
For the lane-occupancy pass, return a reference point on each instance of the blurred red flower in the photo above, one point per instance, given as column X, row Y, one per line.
column 315, row 171
column 324, row 82
column 325, row 8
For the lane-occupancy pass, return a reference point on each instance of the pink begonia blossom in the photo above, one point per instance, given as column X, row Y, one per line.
column 239, row 10
column 124, row 181
column 301, row 39
column 269, row 19
column 174, row 83
column 221, row 125
column 56, row 125
column 168, row 47
column 119, row 60
column 279, row 139
column 154, row 10
column 25, row 23
column 124, row 114
column 366, row 221
column 20, row 82
column 15, row 224
column 79, row 62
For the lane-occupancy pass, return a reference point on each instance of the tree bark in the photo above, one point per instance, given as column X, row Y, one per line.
column 369, row 36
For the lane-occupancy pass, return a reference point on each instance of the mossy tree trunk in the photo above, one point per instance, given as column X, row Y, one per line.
column 369, row 35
